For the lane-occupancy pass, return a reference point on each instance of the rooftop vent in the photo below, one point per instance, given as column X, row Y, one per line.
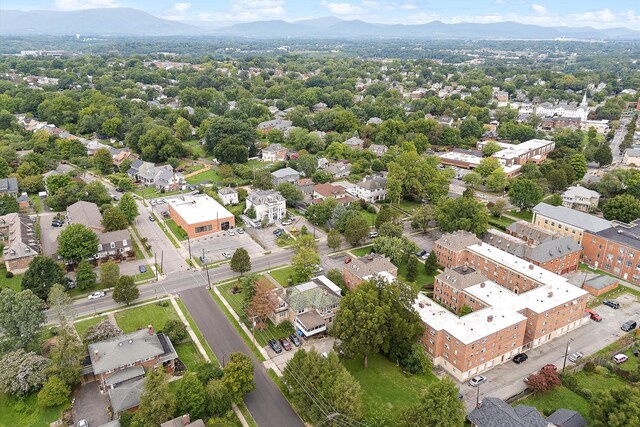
column 550, row 294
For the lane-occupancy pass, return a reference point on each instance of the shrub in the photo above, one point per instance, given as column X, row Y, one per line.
column 55, row 392
column 589, row 367
column 601, row 370
column 9, row 275
column 175, row 330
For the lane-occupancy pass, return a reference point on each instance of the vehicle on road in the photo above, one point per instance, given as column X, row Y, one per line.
column 347, row 260
column 477, row 380
column 231, row 233
column 593, row 315
column 83, row 423
column 520, row 357
column 611, row 304
column 226, row 255
column 629, row 325
column 420, row 253
column 240, row 230
column 151, row 218
column 295, row 340
column 425, row 256
column 142, row 269
column 620, row 358
column 275, row 346
column 373, row 234
column 153, row 203
column 120, row 190
column 482, row 196
column 278, row 232
column 285, row 344
column 317, row 268
column 576, row 356
column 96, row 295
column 56, row 223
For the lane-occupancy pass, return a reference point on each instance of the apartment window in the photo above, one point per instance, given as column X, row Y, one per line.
column 447, row 337
column 431, row 341
column 203, row 228
column 433, row 332
column 446, row 346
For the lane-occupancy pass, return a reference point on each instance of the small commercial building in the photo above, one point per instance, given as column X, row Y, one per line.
column 200, row 215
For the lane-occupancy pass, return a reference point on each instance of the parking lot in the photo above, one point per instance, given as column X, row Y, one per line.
column 507, row 380
column 321, row 345
column 215, row 244
column 425, row 241
column 49, row 234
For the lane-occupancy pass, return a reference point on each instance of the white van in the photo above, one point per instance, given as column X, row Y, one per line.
column 619, row 358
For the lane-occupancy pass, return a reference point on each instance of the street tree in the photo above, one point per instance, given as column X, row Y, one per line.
column 396, row 248
column 439, row 405
column 42, row 274
column 85, row 276
column 218, row 398
column 128, row 207
column 431, row 263
column 497, row 180
column 54, row 393
column 238, row 376
column 487, row 165
column 191, row 397
column 101, row 332
column 77, row 242
column 102, row 160
column 60, row 305
column 263, row 303
column 525, row 193
column 463, row 213
column 603, row 155
column 291, row 193
column 240, row 261
column 66, row 356
column 423, row 217
column 21, row 317
column 109, row 274
column 616, row 407
column 125, row 291
column 113, row 219
column 22, row 373
column 356, row 230
column 157, row 402
column 304, row 263
column 472, row 179
column 624, row 208
column 334, row 239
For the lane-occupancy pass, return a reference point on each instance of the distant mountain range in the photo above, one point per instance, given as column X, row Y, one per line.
column 133, row 22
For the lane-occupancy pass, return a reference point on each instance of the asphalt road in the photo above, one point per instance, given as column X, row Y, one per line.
column 266, row 403
column 617, row 140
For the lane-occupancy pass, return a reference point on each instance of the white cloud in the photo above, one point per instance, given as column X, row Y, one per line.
column 182, row 7
column 500, row 1
column 539, row 9
column 84, row 4
column 342, row 9
column 247, row 11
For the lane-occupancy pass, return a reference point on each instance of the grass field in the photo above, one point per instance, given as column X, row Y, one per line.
column 140, row 317
column 369, row 217
column 559, row 397
column 83, row 325
column 196, row 147
column 385, row 389
column 501, row 223
column 188, row 353
column 365, row 250
column 26, row 412
column 209, row 175
column 423, row 279
column 176, row 229
column 409, row 206
column 526, row 215
column 282, row 275
column 13, row 283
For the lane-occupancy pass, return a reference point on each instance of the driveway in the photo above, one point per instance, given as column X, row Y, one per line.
column 48, row 234
column 90, row 405
column 506, row 380
column 267, row 404
column 264, row 237
column 321, row 345
column 216, row 243
column 425, row 240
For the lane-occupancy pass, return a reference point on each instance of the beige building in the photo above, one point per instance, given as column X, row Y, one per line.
column 360, row 269
column 18, row 235
column 580, row 198
column 566, row 221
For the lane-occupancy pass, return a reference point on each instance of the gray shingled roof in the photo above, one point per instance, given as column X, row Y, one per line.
column 460, row 279
column 371, row 264
column 124, row 350
column 572, row 217
column 9, row 185
column 495, row 412
column 601, row 282
column 85, row 213
column 567, row 418
column 543, row 252
column 283, row 173
column 126, row 395
column 458, row 240
column 21, row 236
column 530, row 231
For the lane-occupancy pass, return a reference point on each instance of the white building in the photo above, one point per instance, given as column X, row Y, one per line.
column 580, row 198
column 563, row 110
column 228, row 195
column 631, row 157
column 371, row 189
column 268, row 204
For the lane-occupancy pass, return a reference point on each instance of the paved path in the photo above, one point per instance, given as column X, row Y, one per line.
column 266, row 403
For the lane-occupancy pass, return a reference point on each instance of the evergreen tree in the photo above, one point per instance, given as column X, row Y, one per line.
column 85, row 277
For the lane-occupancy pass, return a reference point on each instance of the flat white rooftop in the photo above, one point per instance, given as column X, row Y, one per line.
column 475, row 160
column 469, row 328
column 198, row 208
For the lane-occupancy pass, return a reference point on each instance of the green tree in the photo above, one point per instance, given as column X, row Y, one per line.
column 431, row 263
column 291, row 193
column 334, row 239
column 423, row 217
column 175, row 330
column 487, row 165
column 463, row 213
column 56, row 182
column 525, row 193
column 182, row 128
column 412, row 268
column 103, row 161
column 21, row 317
column 22, row 373
column 471, row 128
column 191, row 397
column 616, row 407
column 417, row 361
column 157, row 402
column 304, row 263
column 113, row 219
column 497, row 180
column 125, row 291
column 5, row 169
column 77, row 243
column 624, row 208
column 42, row 274
column 603, row 155
column 240, row 261
column 85, row 276
column 238, row 376
column 557, row 180
column 439, row 405
column 60, row 304
column 579, row 165
column 218, row 397
column 109, row 275
column 472, row 179
column 396, row 248
column 8, row 204
column 497, row 208
column 54, row 393
column 66, row 356
column 389, row 229
column 262, row 179
column 357, row 229
column 386, row 214
column 464, row 310
column 491, row 148
column 128, row 207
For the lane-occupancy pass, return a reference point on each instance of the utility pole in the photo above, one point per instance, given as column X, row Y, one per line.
column 155, row 265
column 162, row 261
column 189, row 242
column 206, row 269
column 566, row 352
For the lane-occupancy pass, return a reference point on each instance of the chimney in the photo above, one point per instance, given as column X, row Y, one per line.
column 530, row 266
column 150, row 329
column 96, row 355
column 489, row 318
column 550, row 294
column 186, row 420
column 465, row 268
column 482, row 285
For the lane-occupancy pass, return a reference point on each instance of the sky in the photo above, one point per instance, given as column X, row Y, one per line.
column 594, row 13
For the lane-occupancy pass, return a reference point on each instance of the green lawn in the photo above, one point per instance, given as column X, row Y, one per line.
column 209, row 175
column 408, row 206
column 423, row 279
column 384, row 387
column 282, row 275
column 36, row 203
column 595, row 382
column 140, row 317
column 197, row 332
column 196, row 147
column 83, row 325
column 257, row 164
column 559, row 397
column 285, row 240
column 369, row 217
column 176, row 229
column 188, row 353
column 26, row 412
column 502, row 223
column 526, row 215
column 13, row 283
column 365, row 250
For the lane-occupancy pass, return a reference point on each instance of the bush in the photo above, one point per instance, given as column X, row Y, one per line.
column 55, row 392
column 589, row 367
column 175, row 330
column 601, row 370
column 9, row 275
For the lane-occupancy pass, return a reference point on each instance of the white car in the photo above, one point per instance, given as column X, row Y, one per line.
column 477, row 380
column 240, row 230
column 96, row 295
column 576, row 356
column 286, row 222
column 226, row 255
column 231, row 233
column 83, row 423
column 153, row 203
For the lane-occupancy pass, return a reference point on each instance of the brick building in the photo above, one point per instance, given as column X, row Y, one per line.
column 615, row 249
column 567, row 222
column 359, row 269
column 200, row 215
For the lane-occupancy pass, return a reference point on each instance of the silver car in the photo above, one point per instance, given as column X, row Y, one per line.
column 576, row 356
column 477, row 380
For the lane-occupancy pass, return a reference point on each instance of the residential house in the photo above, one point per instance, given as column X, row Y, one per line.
column 285, row 175
column 18, row 233
column 310, row 307
column 631, row 157
column 445, row 121
column 138, row 166
column 378, row 149
column 355, row 143
column 23, row 201
column 580, row 198
column 323, row 163
column 494, row 412
column 274, row 153
column 279, row 124
column 126, row 396
column 339, row 169
column 9, row 186
column 122, row 155
column 161, row 177
column 371, row 189
column 305, row 185
column 268, row 204
column 87, row 214
column 374, row 121
column 228, row 195
column 566, row 418
column 567, row 222
column 327, row 190
column 320, row 106
column 183, row 421
column 360, row 269
column 114, row 244
column 615, row 249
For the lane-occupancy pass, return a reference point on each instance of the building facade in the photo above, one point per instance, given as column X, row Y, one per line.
column 21, row 244
column 200, row 215
column 567, row 222
column 580, row 198
column 360, row 269
column 268, row 204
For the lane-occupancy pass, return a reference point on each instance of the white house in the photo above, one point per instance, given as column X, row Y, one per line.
column 371, row 189
column 580, row 198
column 631, row 156
column 268, row 204
column 228, row 195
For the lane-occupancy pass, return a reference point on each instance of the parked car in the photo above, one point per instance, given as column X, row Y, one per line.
column 240, row 230
column 295, row 340
column 347, row 260
column 576, row 356
column 120, row 190
column 96, row 295
column 425, row 256
column 611, row 304
column 421, row 253
column 83, row 423
column 324, row 354
column 275, row 346
column 278, row 232
column 231, row 232
column 477, row 380
column 226, row 255
column 57, row 223
column 286, row 222
column 317, row 268
column 482, row 196
column 629, row 325
column 620, row 358
column 142, row 269
column 153, row 203
column 593, row 315
column 71, row 284
column 151, row 218
column 285, row 344
column 520, row 357
column 373, row 234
